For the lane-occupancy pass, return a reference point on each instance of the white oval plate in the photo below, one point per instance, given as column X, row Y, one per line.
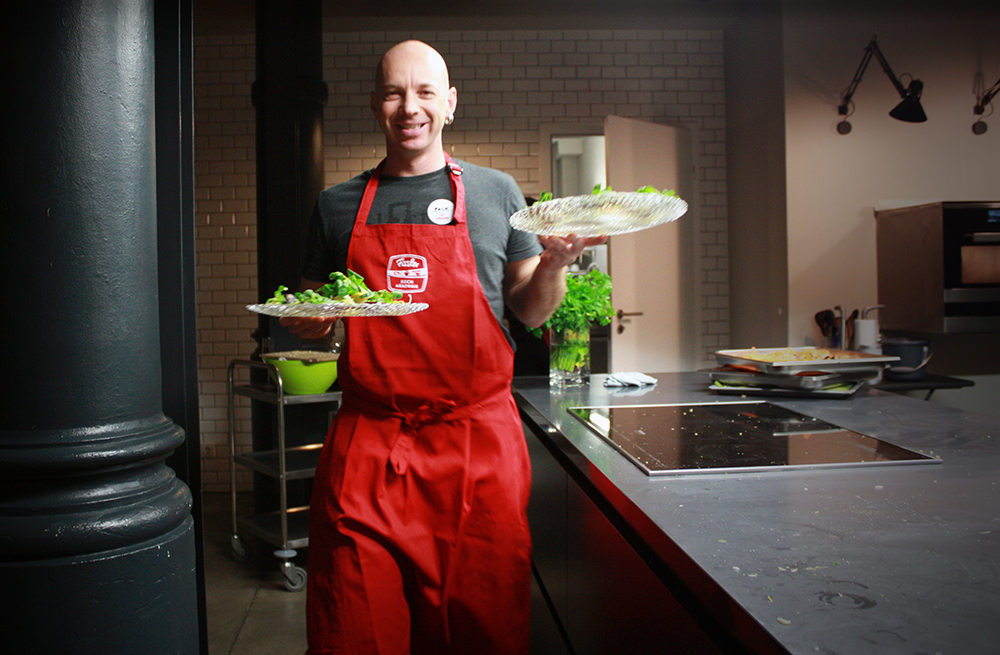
column 599, row 214
column 338, row 309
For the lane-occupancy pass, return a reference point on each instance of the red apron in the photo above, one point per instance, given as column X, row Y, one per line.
column 419, row 538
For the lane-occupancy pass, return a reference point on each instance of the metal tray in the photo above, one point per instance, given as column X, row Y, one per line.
column 789, row 361
column 800, row 381
column 746, row 390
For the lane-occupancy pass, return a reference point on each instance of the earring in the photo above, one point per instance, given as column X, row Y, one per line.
column 450, row 119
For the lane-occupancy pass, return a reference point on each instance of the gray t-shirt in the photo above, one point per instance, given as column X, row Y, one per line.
column 491, row 197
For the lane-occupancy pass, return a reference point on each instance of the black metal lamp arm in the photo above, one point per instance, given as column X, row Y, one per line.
column 845, row 97
column 986, row 98
column 870, row 50
column 888, row 71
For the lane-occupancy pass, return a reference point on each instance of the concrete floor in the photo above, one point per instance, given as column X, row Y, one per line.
column 251, row 613
column 249, row 610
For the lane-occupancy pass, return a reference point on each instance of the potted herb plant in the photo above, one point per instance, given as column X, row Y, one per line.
column 587, row 302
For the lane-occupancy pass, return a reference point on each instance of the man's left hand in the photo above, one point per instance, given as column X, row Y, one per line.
column 563, row 251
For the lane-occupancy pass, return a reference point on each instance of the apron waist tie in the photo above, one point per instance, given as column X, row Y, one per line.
column 433, row 411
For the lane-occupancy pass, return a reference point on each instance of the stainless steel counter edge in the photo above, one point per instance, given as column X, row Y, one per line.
column 868, row 559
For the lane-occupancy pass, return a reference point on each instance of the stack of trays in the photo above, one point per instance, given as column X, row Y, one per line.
column 814, row 372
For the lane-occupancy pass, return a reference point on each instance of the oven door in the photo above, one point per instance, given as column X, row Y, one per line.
column 972, row 267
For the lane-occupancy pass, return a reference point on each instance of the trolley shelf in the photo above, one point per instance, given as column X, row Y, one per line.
column 269, row 394
column 268, row 527
column 288, row 527
column 300, row 462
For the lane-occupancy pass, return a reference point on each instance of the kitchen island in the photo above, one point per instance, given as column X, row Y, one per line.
column 900, row 557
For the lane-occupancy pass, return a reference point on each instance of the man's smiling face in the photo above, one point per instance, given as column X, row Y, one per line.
column 412, row 100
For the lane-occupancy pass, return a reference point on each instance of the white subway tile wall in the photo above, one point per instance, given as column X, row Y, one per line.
column 510, row 83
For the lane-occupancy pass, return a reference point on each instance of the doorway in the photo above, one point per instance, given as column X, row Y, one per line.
column 655, row 272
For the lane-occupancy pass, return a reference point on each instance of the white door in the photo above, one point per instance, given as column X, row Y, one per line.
column 655, row 272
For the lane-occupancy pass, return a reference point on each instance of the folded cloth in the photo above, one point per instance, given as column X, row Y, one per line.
column 632, row 379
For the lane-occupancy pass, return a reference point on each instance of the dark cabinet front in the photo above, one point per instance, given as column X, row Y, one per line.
column 604, row 595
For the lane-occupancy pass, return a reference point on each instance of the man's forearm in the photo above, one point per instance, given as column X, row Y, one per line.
column 536, row 297
column 535, row 287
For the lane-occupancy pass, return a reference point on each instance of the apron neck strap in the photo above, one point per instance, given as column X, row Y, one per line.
column 457, row 188
column 454, row 175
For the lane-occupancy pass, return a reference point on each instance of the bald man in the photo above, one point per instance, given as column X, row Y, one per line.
column 419, row 538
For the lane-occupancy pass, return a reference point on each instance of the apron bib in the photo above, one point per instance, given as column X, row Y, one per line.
column 418, row 537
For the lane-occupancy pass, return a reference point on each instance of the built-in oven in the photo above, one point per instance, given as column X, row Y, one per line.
column 939, row 267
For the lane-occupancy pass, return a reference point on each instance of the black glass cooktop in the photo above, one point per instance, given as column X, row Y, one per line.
column 720, row 437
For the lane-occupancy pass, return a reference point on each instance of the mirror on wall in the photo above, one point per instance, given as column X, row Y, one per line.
column 573, row 163
column 577, row 164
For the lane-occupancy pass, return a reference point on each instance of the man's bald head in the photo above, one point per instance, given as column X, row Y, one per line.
column 409, row 53
column 412, row 102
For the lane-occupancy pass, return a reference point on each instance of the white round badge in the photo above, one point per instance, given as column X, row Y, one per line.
column 441, row 211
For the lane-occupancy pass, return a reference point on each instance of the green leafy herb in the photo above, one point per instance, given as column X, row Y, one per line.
column 598, row 188
column 587, row 302
column 349, row 288
column 569, row 351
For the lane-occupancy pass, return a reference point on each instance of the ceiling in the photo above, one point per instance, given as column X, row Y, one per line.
column 230, row 15
column 237, row 16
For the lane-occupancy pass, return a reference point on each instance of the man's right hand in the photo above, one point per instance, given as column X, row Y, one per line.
column 309, row 328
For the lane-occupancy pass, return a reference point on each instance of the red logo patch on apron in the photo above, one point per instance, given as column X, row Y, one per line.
column 407, row 273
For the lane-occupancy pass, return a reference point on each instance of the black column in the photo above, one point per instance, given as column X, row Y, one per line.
column 175, row 239
column 289, row 95
column 97, row 550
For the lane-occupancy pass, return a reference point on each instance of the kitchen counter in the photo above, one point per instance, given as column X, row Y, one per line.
column 901, row 558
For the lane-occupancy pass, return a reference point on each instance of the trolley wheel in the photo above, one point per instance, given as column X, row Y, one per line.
column 295, row 577
column 241, row 550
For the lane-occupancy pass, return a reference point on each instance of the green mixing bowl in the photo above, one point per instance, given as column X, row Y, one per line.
column 303, row 372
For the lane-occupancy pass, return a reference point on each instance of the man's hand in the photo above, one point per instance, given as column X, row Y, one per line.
column 309, row 328
column 563, row 251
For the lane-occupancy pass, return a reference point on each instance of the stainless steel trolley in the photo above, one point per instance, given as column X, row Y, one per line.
column 288, row 527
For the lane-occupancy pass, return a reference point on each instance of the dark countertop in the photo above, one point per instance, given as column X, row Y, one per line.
column 903, row 558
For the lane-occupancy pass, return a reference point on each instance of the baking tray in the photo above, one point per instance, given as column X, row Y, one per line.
column 803, row 381
column 794, row 360
column 747, row 390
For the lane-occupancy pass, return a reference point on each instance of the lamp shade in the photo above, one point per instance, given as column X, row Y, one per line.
column 909, row 110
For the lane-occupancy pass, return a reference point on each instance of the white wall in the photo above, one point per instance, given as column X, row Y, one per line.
column 836, row 182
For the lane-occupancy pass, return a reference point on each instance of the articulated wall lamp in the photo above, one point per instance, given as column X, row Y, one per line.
column 909, row 110
column 982, row 100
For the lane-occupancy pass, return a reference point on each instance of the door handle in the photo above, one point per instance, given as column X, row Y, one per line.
column 621, row 314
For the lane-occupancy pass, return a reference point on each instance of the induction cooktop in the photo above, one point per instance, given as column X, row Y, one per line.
column 735, row 437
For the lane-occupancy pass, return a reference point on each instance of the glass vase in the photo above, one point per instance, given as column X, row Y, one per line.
column 569, row 358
